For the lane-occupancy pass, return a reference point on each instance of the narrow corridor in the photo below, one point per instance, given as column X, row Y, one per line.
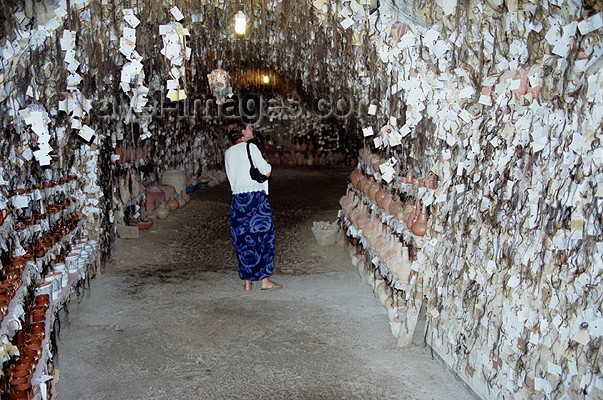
column 169, row 318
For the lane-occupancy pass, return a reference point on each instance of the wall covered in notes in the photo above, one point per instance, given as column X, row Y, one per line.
column 503, row 101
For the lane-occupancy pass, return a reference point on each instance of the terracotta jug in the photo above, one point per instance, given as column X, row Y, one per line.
column 410, row 220
column 420, row 226
column 373, row 189
column 355, row 177
column 181, row 201
column 404, row 266
column 185, row 197
column 387, row 201
column 154, row 198
column 163, row 211
column 173, row 204
column 409, row 178
column 380, row 195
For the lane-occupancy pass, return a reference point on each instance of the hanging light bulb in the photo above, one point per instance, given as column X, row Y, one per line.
column 240, row 22
column 266, row 79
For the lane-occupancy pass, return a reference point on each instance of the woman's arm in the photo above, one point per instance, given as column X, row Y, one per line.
column 261, row 164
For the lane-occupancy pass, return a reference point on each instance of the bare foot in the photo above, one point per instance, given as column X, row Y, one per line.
column 267, row 284
column 247, row 286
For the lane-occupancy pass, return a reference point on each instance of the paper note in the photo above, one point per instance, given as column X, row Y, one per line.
column 430, row 37
column 563, row 46
column 175, row 11
column 86, row 133
column 485, row 100
column 591, row 24
column 388, row 175
column 367, row 131
column 465, row 116
column 132, row 20
column 372, row 110
column 176, row 95
column 346, row 23
column 466, row 92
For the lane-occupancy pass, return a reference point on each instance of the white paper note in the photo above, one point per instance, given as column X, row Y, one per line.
column 175, row 11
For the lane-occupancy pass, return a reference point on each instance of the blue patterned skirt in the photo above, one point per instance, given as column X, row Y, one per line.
column 252, row 232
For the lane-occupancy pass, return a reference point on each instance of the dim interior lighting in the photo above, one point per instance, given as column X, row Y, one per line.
column 240, row 22
column 266, row 79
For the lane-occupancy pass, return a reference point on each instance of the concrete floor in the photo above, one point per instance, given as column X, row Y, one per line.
column 169, row 318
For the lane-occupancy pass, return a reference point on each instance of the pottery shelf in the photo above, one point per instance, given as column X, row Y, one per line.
column 40, row 376
column 44, row 226
column 33, row 268
column 355, row 232
column 396, row 226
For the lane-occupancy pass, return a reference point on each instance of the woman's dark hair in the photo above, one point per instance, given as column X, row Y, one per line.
column 235, row 134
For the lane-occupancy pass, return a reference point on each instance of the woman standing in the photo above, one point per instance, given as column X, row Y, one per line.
column 251, row 226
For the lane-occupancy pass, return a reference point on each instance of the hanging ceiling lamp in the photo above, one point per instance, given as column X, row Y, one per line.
column 266, row 79
column 240, row 23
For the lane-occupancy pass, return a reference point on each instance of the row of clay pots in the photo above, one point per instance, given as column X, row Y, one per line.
column 161, row 202
column 41, row 186
column 29, row 343
column 387, row 245
column 38, row 217
column 390, row 203
column 429, row 181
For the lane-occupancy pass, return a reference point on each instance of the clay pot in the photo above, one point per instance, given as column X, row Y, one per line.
column 175, row 178
column 420, row 226
column 168, row 191
column 173, row 204
column 144, row 225
column 355, row 177
column 185, row 197
column 3, row 215
column 410, row 220
column 373, row 189
column 387, row 201
column 395, row 208
column 181, row 201
column 162, row 211
column 380, row 195
column 404, row 266
column 154, row 196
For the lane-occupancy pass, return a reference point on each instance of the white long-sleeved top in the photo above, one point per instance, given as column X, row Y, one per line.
column 237, row 168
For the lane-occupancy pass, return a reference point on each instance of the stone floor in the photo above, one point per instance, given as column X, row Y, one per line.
column 169, row 319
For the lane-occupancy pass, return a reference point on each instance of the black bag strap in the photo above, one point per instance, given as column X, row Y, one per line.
column 249, row 155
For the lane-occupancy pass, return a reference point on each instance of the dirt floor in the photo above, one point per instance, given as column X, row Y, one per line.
column 169, row 319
